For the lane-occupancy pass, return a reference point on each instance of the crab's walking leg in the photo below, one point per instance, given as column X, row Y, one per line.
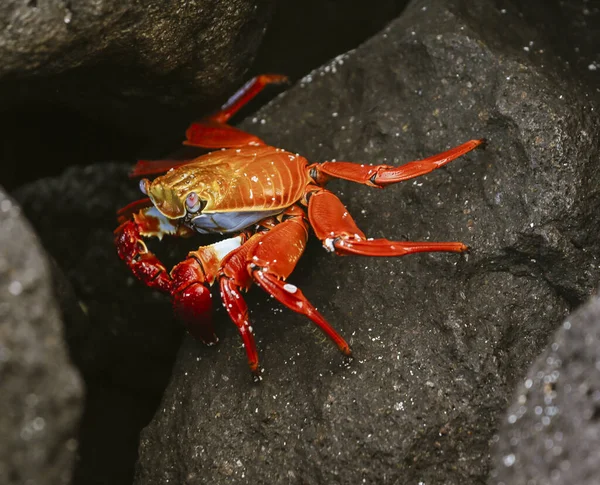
column 267, row 259
column 271, row 262
column 233, row 277
column 384, row 175
column 213, row 132
column 245, row 94
column 335, row 227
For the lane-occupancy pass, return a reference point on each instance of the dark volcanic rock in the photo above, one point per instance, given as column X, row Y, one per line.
column 75, row 216
column 40, row 392
column 303, row 34
column 125, row 347
column 105, row 55
column 439, row 340
column 85, row 81
column 551, row 433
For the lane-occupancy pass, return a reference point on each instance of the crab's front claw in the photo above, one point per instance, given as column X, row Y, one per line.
column 194, row 306
column 192, row 300
column 143, row 264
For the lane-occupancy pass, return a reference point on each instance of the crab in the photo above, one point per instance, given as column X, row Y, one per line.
column 266, row 200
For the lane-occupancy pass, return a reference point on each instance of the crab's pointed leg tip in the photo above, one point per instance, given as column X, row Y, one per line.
column 347, row 360
column 482, row 143
column 282, row 79
column 256, row 377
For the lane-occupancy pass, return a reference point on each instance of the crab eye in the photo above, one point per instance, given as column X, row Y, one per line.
column 144, row 186
column 193, row 202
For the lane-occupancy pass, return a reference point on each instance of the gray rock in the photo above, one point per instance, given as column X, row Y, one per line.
column 127, row 341
column 41, row 395
column 439, row 340
column 131, row 332
column 119, row 59
column 551, row 433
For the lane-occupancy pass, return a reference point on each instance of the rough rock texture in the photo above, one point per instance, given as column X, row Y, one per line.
column 107, row 55
column 122, row 79
column 551, row 433
column 126, row 346
column 439, row 340
column 93, row 79
column 303, row 34
column 41, row 395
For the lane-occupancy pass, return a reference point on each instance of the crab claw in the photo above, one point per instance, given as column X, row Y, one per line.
column 192, row 301
column 194, row 306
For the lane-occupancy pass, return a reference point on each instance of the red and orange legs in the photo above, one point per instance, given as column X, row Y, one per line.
column 267, row 259
column 384, row 175
column 335, row 227
column 187, row 282
column 233, row 277
column 213, row 132
column 245, row 94
column 192, row 300
column 271, row 262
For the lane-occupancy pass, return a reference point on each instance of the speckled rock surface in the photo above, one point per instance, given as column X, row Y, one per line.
column 126, row 344
column 121, row 61
column 551, row 433
column 439, row 340
column 41, row 393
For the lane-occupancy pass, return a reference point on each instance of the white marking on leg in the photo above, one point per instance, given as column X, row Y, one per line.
column 224, row 247
column 290, row 288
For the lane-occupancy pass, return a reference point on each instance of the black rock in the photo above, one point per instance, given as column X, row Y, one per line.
column 111, row 57
column 551, row 433
column 126, row 343
column 41, row 393
column 86, row 81
column 439, row 340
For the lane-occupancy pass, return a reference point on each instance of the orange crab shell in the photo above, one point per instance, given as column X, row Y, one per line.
column 261, row 178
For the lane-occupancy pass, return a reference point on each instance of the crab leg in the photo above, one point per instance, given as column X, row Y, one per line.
column 245, row 94
column 273, row 261
column 187, row 281
column 335, row 227
column 192, row 300
column 267, row 259
column 143, row 264
column 233, row 277
column 384, row 175
column 213, row 132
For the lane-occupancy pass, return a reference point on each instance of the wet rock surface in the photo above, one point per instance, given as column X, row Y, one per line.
column 126, row 343
column 41, row 393
column 90, row 81
column 439, row 340
column 551, row 433
column 110, row 57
